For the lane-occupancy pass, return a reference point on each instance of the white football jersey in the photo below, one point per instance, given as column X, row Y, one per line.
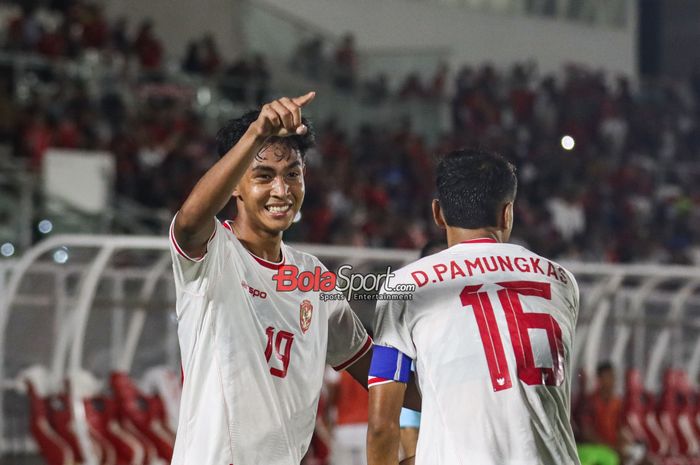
column 490, row 328
column 253, row 358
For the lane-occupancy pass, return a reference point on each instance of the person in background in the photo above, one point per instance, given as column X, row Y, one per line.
column 345, row 72
column 148, row 47
column 349, row 401
column 602, row 421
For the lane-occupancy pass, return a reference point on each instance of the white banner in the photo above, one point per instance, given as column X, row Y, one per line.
column 82, row 179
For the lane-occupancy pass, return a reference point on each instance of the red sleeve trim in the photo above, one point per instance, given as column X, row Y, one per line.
column 375, row 381
column 363, row 350
column 179, row 249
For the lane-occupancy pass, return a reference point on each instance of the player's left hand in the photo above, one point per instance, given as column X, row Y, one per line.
column 282, row 117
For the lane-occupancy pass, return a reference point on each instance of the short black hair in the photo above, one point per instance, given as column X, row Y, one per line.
column 472, row 184
column 231, row 132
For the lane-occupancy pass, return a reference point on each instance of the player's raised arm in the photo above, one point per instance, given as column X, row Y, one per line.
column 195, row 220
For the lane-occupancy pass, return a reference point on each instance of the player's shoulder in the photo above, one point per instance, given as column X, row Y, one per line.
column 405, row 274
column 557, row 265
column 480, row 259
column 453, row 252
column 302, row 260
column 224, row 230
column 564, row 276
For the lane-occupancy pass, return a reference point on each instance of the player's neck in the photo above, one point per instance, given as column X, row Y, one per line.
column 267, row 246
column 457, row 235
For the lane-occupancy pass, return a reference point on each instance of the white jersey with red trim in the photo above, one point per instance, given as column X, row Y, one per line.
column 491, row 330
column 253, row 358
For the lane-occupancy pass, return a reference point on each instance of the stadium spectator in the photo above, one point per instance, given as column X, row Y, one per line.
column 567, row 216
column 119, row 36
column 602, row 421
column 345, row 63
column 24, row 31
column 412, row 87
column 193, row 62
column 438, row 83
column 95, row 27
column 211, row 58
column 259, row 78
column 8, row 112
column 350, row 425
column 148, row 48
column 631, row 168
column 308, row 59
column 236, row 81
column 376, row 90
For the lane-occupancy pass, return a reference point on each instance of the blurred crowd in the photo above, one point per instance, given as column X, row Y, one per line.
column 71, row 28
column 318, row 59
column 623, row 192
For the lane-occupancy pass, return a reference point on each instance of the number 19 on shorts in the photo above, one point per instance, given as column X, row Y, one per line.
column 519, row 322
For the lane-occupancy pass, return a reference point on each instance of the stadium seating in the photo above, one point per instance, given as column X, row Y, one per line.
column 675, row 414
column 640, row 416
column 143, row 415
column 62, row 421
column 165, row 387
column 54, row 448
column 101, row 414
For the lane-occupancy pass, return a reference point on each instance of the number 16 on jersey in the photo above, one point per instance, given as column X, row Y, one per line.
column 519, row 322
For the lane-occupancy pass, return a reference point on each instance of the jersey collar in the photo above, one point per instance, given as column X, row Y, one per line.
column 261, row 261
column 481, row 240
column 266, row 263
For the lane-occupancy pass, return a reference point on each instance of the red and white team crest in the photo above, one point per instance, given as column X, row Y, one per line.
column 305, row 312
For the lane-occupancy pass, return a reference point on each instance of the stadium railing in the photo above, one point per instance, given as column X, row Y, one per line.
column 104, row 304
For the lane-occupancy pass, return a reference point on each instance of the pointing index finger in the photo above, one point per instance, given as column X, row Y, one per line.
column 304, row 99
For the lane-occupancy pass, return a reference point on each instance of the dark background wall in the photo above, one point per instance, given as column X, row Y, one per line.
column 669, row 37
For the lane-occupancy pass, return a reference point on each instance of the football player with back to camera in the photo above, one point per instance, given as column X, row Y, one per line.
column 253, row 358
column 490, row 329
column 409, row 421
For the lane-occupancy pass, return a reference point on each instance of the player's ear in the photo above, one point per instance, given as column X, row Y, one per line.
column 236, row 194
column 437, row 215
column 507, row 216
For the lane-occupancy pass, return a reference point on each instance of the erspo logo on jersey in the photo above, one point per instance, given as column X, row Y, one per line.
column 254, row 292
column 333, row 286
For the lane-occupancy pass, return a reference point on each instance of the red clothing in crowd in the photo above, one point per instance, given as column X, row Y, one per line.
column 604, row 418
column 351, row 401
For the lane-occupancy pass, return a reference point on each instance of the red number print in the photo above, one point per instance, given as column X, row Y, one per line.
column 283, row 350
column 490, row 337
column 519, row 322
